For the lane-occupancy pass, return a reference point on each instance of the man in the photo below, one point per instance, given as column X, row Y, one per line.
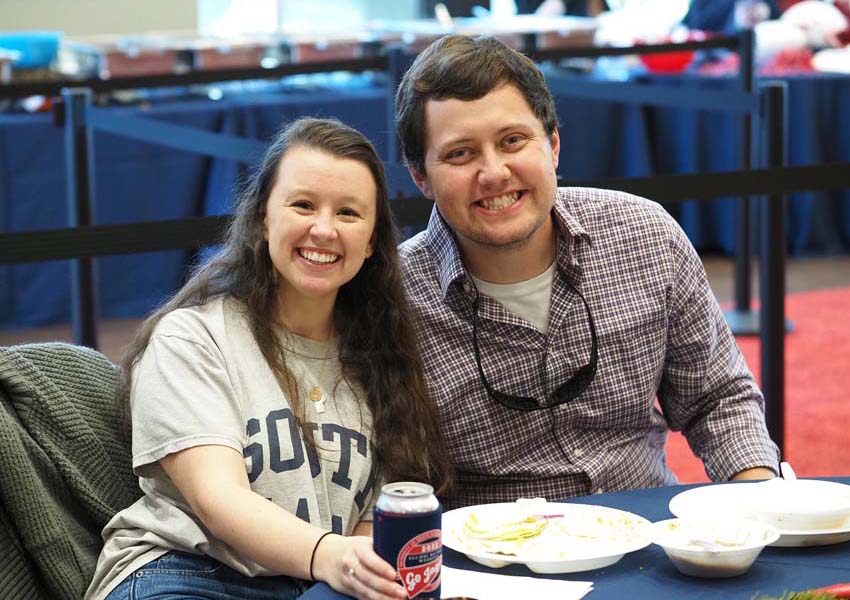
column 551, row 319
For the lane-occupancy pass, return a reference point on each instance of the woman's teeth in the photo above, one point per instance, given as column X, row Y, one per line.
column 500, row 202
column 318, row 257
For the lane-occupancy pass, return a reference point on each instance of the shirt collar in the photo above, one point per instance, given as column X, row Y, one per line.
column 449, row 266
column 571, row 231
column 441, row 241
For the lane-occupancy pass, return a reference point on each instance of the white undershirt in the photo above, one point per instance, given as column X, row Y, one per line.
column 529, row 299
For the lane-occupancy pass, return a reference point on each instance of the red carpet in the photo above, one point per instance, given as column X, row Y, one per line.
column 817, row 395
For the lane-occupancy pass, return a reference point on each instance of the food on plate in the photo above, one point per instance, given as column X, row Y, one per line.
column 525, row 528
column 531, row 529
column 505, row 532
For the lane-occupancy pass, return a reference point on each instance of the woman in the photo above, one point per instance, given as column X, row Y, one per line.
column 275, row 391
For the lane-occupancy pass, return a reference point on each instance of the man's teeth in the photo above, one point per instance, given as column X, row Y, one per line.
column 318, row 257
column 500, row 202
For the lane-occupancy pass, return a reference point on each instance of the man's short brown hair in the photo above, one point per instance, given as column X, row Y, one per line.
column 464, row 68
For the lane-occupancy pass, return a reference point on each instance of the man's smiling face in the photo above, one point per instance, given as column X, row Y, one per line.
column 490, row 168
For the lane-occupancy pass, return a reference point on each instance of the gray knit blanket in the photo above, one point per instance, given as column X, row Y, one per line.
column 64, row 467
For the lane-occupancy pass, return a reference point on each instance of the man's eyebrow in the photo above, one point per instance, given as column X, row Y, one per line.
column 455, row 141
column 514, row 125
column 501, row 130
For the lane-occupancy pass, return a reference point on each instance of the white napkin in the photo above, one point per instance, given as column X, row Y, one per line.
column 489, row 586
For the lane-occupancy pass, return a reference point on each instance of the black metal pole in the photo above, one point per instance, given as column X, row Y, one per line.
column 742, row 319
column 743, row 291
column 529, row 43
column 79, row 175
column 395, row 71
column 772, row 269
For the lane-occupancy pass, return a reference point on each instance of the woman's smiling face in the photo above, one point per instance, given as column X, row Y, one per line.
column 319, row 223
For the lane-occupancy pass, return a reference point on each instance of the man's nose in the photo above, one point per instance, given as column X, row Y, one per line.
column 494, row 170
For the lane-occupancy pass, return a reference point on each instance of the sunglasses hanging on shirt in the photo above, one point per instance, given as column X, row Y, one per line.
column 567, row 391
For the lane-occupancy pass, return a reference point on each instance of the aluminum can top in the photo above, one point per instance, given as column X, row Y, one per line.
column 405, row 497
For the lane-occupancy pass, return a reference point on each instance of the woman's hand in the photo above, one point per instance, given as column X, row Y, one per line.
column 350, row 566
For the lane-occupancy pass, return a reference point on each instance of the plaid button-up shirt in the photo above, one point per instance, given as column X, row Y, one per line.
column 661, row 336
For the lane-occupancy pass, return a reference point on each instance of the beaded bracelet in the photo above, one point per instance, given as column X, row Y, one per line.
column 313, row 556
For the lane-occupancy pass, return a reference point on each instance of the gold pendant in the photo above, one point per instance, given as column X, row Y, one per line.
column 317, row 399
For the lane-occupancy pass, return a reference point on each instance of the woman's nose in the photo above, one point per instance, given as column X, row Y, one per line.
column 323, row 226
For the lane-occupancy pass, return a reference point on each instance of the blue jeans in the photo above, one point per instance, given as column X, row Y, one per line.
column 182, row 576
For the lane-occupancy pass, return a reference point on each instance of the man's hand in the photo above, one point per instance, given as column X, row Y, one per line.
column 754, row 473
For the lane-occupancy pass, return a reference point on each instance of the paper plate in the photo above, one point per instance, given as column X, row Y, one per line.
column 730, row 499
column 578, row 537
column 823, row 537
column 720, row 499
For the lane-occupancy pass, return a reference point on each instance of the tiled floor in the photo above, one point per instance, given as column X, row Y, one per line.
column 801, row 275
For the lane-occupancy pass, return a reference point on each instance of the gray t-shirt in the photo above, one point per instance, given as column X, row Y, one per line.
column 203, row 381
column 529, row 299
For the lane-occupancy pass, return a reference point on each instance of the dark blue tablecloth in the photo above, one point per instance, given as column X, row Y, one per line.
column 648, row 574
column 137, row 181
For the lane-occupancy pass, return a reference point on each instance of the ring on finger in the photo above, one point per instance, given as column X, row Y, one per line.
column 352, row 570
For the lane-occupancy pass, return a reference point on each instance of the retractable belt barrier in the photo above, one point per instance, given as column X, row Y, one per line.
column 197, row 232
column 190, row 139
column 611, row 91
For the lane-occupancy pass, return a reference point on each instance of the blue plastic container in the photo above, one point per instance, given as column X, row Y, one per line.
column 37, row 48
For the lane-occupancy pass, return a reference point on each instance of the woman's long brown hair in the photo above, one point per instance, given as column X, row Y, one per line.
column 378, row 348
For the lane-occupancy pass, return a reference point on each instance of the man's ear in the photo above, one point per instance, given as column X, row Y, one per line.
column 555, row 139
column 421, row 182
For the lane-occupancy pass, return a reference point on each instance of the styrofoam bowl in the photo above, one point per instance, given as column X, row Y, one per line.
column 713, row 548
column 799, row 504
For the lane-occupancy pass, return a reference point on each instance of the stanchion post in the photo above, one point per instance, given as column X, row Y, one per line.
column 395, row 71
column 529, row 43
column 772, row 268
column 743, row 264
column 742, row 319
column 79, row 177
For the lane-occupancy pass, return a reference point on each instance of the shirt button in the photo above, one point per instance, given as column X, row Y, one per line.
column 599, row 491
column 578, row 452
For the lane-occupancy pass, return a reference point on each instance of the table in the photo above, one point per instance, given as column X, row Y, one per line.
column 649, row 574
column 135, row 181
